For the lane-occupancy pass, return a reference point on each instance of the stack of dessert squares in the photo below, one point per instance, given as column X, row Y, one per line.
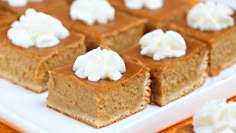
column 104, row 60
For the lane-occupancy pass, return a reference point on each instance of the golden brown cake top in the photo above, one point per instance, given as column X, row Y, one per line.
column 170, row 7
column 206, row 36
column 43, row 6
column 193, row 46
column 6, row 17
column 121, row 23
column 73, row 40
column 132, row 70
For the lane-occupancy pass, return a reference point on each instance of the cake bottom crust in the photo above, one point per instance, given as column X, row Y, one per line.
column 26, row 85
column 82, row 117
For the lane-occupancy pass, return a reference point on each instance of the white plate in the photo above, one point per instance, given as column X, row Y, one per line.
column 28, row 110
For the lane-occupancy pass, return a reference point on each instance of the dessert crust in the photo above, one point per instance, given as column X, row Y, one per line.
column 26, row 85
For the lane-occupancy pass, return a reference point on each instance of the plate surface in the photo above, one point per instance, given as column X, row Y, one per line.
column 28, row 110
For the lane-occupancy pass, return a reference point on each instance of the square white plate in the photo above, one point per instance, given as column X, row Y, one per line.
column 28, row 110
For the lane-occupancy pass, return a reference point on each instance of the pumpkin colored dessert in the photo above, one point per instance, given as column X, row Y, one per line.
column 28, row 66
column 6, row 17
column 99, row 103
column 221, row 45
column 174, row 77
column 43, row 6
column 118, row 34
column 171, row 12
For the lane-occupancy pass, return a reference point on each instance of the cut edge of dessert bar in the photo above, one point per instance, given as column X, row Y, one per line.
column 184, row 91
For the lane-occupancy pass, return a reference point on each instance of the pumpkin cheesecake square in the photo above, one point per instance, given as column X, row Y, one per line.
column 118, row 34
column 28, row 66
column 174, row 77
column 161, row 18
column 99, row 103
column 42, row 6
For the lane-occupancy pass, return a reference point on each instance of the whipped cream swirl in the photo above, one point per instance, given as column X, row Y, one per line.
column 20, row 2
column 230, row 3
column 160, row 45
column 37, row 29
column 99, row 64
column 139, row 4
column 216, row 116
column 210, row 16
column 92, row 11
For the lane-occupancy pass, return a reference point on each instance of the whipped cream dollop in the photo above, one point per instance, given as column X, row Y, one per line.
column 210, row 16
column 37, row 29
column 139, row 4
column 99, row 64
column 92, row 11
column 20, row 2
column 230, row 3
column 216, row 116
column 160, row 45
